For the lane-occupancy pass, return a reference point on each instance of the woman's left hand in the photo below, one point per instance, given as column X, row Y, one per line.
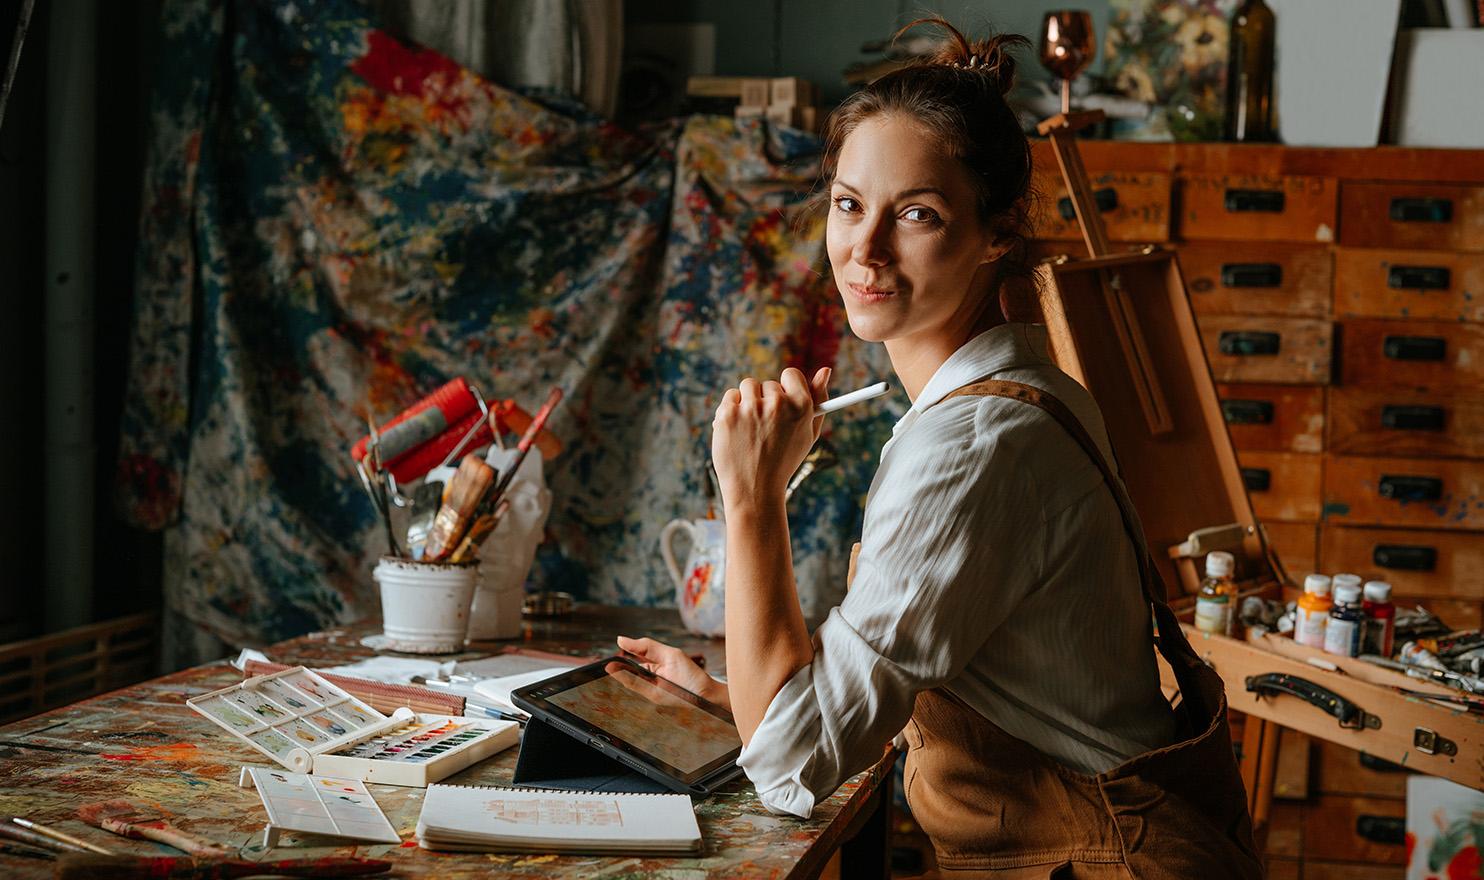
column 671, row 663
column 762, row 431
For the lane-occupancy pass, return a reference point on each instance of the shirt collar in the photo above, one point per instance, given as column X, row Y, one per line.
column 998, row 348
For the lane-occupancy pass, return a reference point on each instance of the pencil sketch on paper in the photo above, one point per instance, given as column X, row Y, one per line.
column 588, row 812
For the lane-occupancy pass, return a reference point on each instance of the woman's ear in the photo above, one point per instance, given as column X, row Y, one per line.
column 997, row 247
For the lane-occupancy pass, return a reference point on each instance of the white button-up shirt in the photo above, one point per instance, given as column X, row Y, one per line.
column 993, row 563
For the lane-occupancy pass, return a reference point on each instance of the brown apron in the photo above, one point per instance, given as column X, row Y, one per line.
column 996, row 807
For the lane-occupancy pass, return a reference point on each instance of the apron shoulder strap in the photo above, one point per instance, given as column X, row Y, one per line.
column 1171, row 641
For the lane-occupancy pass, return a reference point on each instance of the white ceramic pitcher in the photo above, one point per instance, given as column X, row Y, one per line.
column 700, row 587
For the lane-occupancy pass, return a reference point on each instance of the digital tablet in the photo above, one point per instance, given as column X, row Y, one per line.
column 644, row 722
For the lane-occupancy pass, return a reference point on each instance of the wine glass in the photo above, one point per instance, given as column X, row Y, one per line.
column 1066, row 47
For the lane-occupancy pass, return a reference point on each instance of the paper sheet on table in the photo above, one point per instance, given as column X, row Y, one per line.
column 498, row 689
column 393, row 670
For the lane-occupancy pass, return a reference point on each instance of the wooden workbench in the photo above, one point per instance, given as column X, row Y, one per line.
column 144, row 744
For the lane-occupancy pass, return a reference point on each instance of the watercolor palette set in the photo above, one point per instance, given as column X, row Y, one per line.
column 309, row 725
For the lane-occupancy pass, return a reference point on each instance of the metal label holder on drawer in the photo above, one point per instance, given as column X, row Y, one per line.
column 1122, row 325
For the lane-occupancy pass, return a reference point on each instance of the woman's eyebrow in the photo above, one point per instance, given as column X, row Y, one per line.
column 905, row 194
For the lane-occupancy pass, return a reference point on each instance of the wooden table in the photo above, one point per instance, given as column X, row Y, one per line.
column 145, row 744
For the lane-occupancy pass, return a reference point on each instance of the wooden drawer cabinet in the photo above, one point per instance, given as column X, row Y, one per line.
column 1424, row 285
column 1355, row 829
column 1256, row 207
column 1415, row 562
column 1287, row 351
column 1248, row 278
column 1274, row 418
column 1433, row 355
column 1283, row 486
column 1365, row 421
column 1409, row 215
column 1409, row 492
column 1339, row 296
column 1322, row 870
column 1135, row 206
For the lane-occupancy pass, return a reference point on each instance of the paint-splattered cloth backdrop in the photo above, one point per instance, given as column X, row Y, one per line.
column 336, row 220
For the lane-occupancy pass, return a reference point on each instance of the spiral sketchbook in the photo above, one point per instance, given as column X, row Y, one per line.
column 486, row 819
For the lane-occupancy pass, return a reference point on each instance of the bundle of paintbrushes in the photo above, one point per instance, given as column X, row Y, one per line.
column 474, row 501
column 440, row 428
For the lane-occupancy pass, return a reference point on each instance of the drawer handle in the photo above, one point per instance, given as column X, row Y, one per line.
column 1347, row 713
column 1410, row 488
column 1405, row 557
column 1248, row 342
column 1419, row 277
column 1412, row 418
column 1247, row 412
column 1415, row 210
column 1380, row 765
column 1105, row 199
column 1257, row 479
column 1265, row 201
column 1251, row 275
column 1382, row 829
column 1414, row 348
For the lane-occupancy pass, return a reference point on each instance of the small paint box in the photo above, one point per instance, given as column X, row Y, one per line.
column 309, row 725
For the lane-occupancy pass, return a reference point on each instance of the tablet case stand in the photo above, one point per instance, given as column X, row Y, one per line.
column 549, row 758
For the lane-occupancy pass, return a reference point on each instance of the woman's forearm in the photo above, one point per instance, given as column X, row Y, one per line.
column 767, row 641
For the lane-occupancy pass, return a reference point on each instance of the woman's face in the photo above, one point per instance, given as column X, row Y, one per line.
column 909, row 256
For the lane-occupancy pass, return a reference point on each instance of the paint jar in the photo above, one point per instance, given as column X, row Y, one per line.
column 1313, row 612
column 1342, row 632
column 425, row 605
column 1380, row 619
column 1213, row 604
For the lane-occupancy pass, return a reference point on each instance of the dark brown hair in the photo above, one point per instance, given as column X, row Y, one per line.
column 959, row 95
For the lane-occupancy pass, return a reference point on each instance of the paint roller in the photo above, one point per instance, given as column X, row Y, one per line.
column 441, row 426
column 451, row 419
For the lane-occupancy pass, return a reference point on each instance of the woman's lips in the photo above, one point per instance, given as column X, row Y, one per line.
column 870, row 294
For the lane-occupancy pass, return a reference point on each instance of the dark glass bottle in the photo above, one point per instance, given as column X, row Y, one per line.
column 1249, row 74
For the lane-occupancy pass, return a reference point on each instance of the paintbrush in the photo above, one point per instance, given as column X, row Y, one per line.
column 426, row 499
column 469, row 484
column 145, row 823
column 61, row 837
column 15, row 849
column 12, row 831
column 483, row 525
column 553, row 397
column 86, row 866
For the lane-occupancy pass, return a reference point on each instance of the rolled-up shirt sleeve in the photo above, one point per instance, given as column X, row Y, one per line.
column 951, row 544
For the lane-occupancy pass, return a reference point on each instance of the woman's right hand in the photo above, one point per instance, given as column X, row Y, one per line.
column 761, row 433
column 671, row 663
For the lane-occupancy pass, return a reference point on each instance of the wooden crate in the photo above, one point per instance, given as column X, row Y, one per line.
column 54, row 670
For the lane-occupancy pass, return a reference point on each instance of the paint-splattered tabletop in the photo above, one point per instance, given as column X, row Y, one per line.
column 144, row 744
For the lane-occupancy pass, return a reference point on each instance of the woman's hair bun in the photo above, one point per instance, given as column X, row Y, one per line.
column 989, row 58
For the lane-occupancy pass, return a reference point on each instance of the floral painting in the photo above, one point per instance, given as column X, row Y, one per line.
column 1171, row 53
column 1445, row 830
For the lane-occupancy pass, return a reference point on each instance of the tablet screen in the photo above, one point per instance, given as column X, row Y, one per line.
column 640, row 712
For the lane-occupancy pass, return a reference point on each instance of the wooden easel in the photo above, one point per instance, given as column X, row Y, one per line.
column 1260, row 738
column 1062, row 129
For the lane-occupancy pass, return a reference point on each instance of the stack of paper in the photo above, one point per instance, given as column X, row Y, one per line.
column 481, row 819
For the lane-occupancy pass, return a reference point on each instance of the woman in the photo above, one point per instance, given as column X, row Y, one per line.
column 996, row 610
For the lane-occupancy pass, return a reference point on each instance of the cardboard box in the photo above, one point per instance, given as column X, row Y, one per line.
column 755, row 92
column 794, row 90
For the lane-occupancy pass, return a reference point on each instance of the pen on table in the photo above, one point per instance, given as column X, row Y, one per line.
column 61, row 837
column 845, row 400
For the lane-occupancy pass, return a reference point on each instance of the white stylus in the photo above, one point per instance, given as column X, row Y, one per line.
column 845, row 400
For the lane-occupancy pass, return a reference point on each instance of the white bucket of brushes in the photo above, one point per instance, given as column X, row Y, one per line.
column 425, row 605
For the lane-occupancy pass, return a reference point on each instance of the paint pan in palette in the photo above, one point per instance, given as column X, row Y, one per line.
column 309, row 725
